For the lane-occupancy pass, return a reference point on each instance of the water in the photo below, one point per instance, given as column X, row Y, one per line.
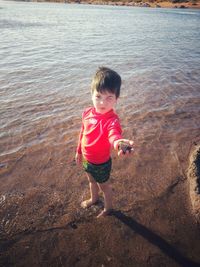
column 50, row 51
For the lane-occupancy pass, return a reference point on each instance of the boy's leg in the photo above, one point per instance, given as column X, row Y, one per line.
column 107, row 192
column 94, row 193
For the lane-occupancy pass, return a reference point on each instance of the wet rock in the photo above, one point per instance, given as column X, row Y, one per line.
column 144, row 5
column 194, row 181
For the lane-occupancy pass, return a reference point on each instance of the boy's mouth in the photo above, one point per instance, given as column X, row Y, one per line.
column 102, row 109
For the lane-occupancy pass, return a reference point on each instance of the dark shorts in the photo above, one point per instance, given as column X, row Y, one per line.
column 100, row 172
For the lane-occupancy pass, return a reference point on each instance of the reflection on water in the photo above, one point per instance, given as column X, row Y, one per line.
column 49, row 53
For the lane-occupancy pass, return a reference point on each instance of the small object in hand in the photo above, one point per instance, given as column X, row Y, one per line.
column 125, row 147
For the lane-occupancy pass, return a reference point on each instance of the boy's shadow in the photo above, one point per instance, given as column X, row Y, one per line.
column 155, row 239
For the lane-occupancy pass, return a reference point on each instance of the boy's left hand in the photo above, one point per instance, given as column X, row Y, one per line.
column 123, row 146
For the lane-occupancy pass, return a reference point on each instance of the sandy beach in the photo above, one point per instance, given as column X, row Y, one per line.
column 153, row 223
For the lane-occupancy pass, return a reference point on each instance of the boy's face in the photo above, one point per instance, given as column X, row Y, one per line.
column 103, row 102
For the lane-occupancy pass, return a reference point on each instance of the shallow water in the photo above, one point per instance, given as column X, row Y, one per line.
column 49, row 53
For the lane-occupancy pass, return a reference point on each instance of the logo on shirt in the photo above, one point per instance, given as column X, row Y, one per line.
column 93, row 121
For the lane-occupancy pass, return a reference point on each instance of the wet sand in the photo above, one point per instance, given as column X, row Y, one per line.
column 153, row 224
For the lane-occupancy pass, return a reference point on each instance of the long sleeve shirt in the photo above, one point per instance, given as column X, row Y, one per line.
column 97, row 135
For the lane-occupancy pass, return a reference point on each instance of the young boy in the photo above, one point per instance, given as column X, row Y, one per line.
column 100, row 132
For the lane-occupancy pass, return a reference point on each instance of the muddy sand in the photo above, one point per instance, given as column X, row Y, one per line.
column 156, row 217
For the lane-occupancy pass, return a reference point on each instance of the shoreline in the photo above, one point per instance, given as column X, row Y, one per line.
column 136, row 3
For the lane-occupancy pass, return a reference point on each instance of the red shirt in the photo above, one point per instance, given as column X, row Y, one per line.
column 98, row 133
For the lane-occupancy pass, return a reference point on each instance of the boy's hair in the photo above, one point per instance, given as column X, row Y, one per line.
column 106, row 79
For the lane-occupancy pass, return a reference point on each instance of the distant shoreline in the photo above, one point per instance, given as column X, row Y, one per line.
column 195, row 4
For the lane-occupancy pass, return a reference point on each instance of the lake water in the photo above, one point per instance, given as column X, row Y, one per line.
column 49, row 52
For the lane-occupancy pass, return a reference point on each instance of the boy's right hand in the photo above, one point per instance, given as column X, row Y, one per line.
column 123, row 146
column 78, row 158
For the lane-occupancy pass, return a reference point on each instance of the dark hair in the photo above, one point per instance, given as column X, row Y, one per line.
column 106, row 79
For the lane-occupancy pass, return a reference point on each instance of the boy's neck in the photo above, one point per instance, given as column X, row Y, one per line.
column 103, row 113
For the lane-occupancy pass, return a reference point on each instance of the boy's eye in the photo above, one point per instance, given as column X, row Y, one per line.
column 110, row 98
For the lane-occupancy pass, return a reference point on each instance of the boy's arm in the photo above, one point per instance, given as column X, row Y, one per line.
column 78, row 149
column 78, row 158
column 114, row 131
column 78, row 155
column 123, row 146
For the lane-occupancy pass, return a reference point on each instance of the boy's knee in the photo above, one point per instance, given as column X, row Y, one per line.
column 92, row 182
column 105, row 187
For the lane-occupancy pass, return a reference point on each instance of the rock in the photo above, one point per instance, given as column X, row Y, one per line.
column 194, row 181
column 146, row 5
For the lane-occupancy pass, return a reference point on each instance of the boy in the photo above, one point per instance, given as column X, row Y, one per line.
column 100, row 132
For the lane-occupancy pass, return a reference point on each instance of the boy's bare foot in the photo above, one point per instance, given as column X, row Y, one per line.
column 104, row 213
column 87, row 203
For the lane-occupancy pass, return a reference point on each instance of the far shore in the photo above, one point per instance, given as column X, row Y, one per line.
column 137, row 3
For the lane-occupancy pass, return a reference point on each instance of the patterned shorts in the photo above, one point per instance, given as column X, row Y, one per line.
column 100, row 172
